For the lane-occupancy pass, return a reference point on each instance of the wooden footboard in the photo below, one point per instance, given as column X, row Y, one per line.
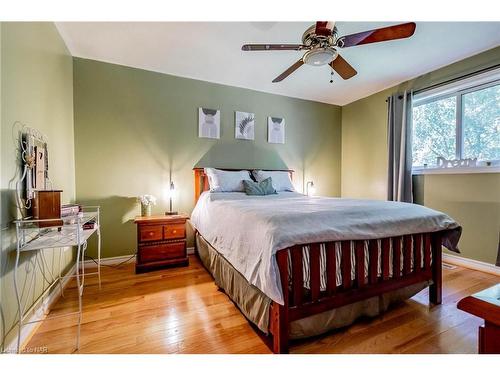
column 419, row 260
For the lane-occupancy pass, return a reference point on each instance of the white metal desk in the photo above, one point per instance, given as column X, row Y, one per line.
column 35, row 235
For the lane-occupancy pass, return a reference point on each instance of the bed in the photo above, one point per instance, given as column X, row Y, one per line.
column 298, row 266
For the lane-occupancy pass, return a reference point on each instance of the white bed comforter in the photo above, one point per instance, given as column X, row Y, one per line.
column 249, row 230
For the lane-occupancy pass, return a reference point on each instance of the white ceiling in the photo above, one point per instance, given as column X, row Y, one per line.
column 211, row 51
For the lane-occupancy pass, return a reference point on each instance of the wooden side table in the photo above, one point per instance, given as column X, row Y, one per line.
column 486, row 305
column 161, row 242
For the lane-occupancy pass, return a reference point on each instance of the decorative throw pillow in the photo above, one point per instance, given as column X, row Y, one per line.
column 264, row 187
column 226, row 181
column 281, row 179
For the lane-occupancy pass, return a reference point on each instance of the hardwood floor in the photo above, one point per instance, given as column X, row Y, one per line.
column 180, row 310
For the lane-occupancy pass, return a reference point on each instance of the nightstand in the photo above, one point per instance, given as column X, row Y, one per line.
column 161, row 242
column 485, row 304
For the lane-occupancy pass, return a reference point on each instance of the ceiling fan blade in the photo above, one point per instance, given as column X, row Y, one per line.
column 343, row 68
column 272, row 47
column 404, row 30
column 289, row 71
column 324, row 28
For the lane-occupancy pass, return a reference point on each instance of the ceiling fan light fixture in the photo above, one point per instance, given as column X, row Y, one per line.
column 320, row 56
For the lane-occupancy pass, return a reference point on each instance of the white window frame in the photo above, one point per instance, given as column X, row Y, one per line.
column 458, row 89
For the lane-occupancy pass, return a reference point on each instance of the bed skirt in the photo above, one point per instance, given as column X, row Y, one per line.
column 255, row 305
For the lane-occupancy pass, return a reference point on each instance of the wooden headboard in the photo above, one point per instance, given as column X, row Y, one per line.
column 201, row 179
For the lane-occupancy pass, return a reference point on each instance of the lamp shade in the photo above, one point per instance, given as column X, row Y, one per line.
column 310, row 188
column 171, row 194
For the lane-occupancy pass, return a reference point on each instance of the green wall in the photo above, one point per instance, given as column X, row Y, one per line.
column 473, row 200
column 133, row 128
column 36, row 72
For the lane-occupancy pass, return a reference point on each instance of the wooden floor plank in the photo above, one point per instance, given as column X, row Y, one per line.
column 181, row 310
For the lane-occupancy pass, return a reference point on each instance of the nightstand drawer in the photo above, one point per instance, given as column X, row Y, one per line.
column 150, row 233
column 163, row 252
column 172, row 231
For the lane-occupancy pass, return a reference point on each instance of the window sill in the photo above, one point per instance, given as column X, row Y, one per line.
column 463, row 170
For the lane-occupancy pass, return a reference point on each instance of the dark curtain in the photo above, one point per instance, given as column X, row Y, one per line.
column 399, row 110
column 497, row 263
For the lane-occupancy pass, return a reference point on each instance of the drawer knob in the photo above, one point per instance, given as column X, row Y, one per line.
column 151, row 233
column 174, row 231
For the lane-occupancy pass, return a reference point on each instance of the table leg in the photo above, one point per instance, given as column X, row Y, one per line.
column 18, row 297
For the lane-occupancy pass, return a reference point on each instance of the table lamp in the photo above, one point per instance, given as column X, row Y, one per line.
column 310, row 189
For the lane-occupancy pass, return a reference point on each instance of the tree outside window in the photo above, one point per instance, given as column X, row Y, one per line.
column 463, row 125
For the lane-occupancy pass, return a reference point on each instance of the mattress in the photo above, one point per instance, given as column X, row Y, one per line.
column 248, row 230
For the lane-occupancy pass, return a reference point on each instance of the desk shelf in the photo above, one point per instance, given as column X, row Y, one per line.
column 54, row 239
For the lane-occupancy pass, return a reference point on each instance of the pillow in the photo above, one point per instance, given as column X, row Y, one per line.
column 265, row 187
column 281, row 179
column 226, row 181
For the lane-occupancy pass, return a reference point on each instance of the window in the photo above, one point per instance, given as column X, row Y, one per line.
column 481, row 124
column 460, row 120
column 434, row 131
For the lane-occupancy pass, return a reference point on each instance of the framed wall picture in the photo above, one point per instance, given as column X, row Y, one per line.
column 208, row 123
column 244, row 125
column 276, row 130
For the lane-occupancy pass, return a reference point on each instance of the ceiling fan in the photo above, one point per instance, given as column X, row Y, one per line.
column 320, row 41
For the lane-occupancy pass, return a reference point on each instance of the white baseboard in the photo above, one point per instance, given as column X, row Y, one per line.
column 29, row 328
column 112, row 261
column 472, row 264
